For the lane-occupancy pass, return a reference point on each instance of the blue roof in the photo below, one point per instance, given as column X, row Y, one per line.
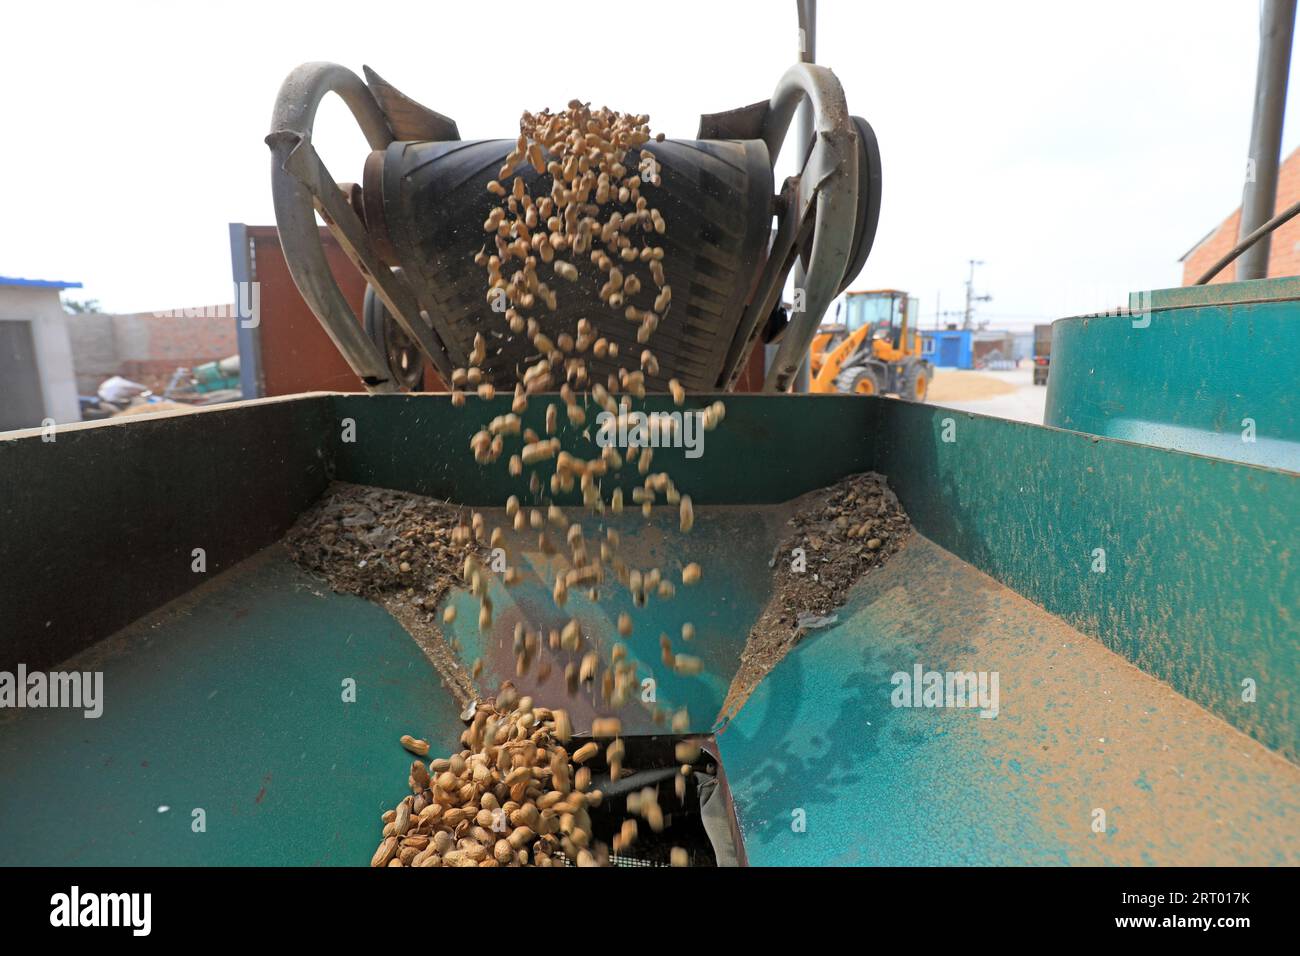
column 39, row 283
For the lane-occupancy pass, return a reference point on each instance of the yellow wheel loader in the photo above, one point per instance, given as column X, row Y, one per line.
column 873, row 348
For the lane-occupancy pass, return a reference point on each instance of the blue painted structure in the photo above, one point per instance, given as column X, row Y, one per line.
column 948, row 348
column 13, row 281
column 250, row 343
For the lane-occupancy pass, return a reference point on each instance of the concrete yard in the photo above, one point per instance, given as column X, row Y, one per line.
column 1012, row 395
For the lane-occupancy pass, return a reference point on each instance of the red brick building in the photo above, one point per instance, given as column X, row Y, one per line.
column 147, row 347
column 1283, row 257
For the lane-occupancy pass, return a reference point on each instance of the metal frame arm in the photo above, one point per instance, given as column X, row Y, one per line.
column 295, row 208
column 829, row 186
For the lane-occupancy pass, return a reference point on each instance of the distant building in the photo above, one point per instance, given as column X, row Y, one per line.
column 148, row 347
column 1284, row 254
column 947, row 348
column 972, row 348
column 37, row 382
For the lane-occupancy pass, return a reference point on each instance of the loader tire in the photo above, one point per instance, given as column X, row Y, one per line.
column 916, row 382
column 860, row 380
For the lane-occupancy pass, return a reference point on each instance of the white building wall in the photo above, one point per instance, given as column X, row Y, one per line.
column 58, row 381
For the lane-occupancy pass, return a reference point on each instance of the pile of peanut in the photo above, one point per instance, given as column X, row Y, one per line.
column 514, row 796
column 516, row 771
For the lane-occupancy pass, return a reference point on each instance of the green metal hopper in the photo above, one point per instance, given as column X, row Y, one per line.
column 224, row 690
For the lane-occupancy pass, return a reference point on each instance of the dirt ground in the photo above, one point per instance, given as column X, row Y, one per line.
column 1011, row 394
column 960, row 385
column 845, row 531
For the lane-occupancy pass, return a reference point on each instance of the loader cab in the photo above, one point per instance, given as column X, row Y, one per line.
column 861, row 317
column 880, row 309
column 872, row 347
column 888, row 311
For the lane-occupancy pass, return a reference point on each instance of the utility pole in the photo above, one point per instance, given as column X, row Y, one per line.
column 1276, row 26
column 807, row 10
column 971, row 297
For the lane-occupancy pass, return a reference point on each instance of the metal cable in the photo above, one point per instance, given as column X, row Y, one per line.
column 1285, row 216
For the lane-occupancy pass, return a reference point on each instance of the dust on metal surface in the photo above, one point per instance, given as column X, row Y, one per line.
column 1026, row 504
column 1187, row 377
column 229, row 700
column 1078, row 729
column 1183, row 564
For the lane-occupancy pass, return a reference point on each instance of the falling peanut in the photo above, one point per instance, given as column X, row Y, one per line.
column 415, row 745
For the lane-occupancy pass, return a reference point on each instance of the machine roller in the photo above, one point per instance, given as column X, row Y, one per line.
column 411, row 227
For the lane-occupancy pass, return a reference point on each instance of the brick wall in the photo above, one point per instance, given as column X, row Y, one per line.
column 147, row 347
column 94, row 349
column 176, row 335
column 1283, row 257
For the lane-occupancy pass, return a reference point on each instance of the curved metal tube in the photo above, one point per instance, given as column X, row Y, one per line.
column 831, row 173
column 295, row 212
column 818, row 85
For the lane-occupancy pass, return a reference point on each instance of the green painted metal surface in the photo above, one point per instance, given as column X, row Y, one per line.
column 1200, row 587
column 1212, row 371
column 825, row 770
column 229, row 700
column 1217, row 293
column 119, row 507
column 770, row 450
column 733, row 545
column 1199, row 591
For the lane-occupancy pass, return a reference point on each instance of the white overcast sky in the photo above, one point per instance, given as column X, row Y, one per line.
column 1078, row 149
